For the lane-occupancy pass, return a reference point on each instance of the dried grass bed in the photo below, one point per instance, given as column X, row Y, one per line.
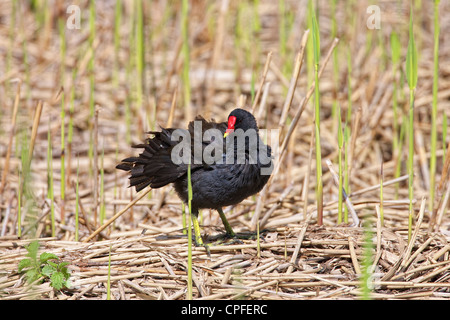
column 297, row 259
column 150, row 266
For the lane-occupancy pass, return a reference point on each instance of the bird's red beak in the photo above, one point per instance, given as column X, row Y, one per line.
column 231, row 123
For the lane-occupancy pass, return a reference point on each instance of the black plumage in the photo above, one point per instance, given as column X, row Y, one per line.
column 214, row 185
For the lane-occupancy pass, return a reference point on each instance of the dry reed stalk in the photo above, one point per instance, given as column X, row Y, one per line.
column 261, row 84
column 298, row 245
column 252, row 289
column 412, row 241
column 303, row 106
column 441, row 207
column 275, row 206
column 346, row 198
column 263, row 193
column 263, row 104
column 37, row 118
column 376, row 187
column 378, row 245
column 351, row 246
column 294, row 79
column 240, row 103
column 280, row 76
column 117, row 215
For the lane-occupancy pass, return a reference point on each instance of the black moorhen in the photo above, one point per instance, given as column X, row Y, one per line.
column 241, row 167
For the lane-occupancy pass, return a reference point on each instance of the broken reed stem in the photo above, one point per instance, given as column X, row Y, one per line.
column 117, row 215
column 11, row 137
column 377, row 186
column 300, row 236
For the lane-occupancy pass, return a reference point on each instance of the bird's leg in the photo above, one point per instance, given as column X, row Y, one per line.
column 197, row 233
column 228, row 228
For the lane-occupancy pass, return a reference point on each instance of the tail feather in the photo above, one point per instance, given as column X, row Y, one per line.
column 154, row 166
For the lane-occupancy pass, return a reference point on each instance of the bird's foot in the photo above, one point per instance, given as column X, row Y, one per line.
column 235, row 238
column 198, row 242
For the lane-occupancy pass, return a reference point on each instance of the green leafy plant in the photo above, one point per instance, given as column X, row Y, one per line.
column 41, row 268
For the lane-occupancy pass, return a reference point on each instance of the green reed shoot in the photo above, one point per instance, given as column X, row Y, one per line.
column 252, row 88
column 341, row 146
column 139, row 52
column 381, row 194
column 396, row 55
column 50, row 192
column 349, row 90
column 12, row 36
column 183, row 217
column 63, row 161
column 334, row 110
column 77, row 199
column 26, row 196
column 19, row 208
column 186, row 58
column 189, row 284
column 310, row 45
column 319, row 186
column 434, row 106
column 346, row 168
column 411, row 75
column 91, row 83
column 102, row 188
column 241, row 39
column 117, row 27
column 256, row 28
column 70, row 124
column 398, row 164
column 284, row 36
column 26, row 65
